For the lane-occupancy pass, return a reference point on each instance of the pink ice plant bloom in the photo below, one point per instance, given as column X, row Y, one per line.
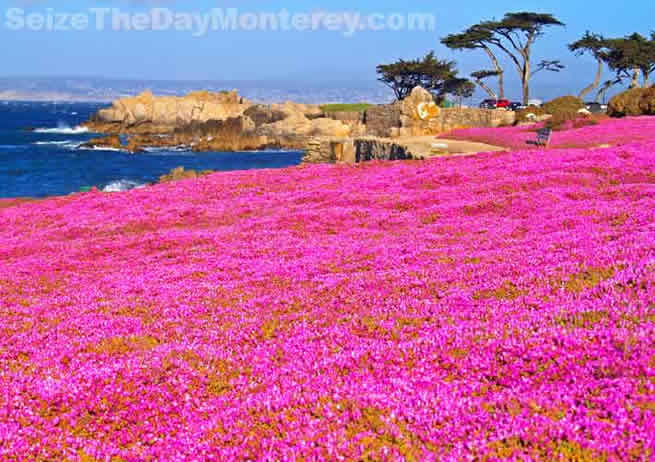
column 612, row 131
column 495, row 307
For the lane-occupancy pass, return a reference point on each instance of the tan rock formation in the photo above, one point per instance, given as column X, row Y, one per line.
column 205, row 121
column 297, row 124
column 164, row 113
column 291, row 108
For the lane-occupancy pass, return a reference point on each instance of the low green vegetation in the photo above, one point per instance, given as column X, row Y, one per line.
column 563, row 103
column 634, row 102
column 344, row 107
column 563, row 110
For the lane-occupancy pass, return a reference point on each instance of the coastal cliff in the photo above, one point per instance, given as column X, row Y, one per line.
column 204, row 121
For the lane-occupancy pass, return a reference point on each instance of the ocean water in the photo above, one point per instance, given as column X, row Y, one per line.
column 47, row 160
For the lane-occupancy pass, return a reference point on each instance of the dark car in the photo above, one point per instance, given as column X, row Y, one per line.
column 516, row 106
column 596, row 108
column 489, row 104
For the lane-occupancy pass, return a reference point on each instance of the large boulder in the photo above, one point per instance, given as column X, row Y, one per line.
column 416, row 113
column 291, row 108
column 173, row 111
column 261, row 114
column 296, row 124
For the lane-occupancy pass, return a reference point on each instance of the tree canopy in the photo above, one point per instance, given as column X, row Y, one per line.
column 596, row 46
column 630, row 56
column 428, row 72
column 515, row 35
column 479, row 37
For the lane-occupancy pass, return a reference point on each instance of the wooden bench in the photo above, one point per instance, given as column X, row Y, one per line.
column 543, row 137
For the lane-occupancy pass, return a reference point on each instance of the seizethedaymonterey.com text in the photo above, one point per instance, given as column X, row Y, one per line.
column 202, row 23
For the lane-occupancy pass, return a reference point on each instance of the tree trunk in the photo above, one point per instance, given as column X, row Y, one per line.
column 486, row 88
column 501, row 85
column 501, row 73
column 594, row 85
column 646, row 79
column 635, row 78
column 525, row 80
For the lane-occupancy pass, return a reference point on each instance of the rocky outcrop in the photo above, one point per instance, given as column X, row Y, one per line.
column 165, row 113
column 207, row 121
column 106, row 142
column 204, row 121
column 367, row 149
column 330, row 150
column 418, row 115
column 382, row 120
column 261, row 114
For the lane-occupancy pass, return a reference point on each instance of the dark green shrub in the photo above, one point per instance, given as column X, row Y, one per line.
column 634, row 102
column 523, row 114
column 567, row 119
column 563, row 104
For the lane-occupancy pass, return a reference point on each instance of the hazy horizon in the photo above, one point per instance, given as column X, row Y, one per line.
column 313, row 57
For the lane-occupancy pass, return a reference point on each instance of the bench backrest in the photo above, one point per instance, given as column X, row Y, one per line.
column 543, row 136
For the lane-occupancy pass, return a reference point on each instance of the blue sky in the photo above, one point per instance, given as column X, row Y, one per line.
column 320, row 56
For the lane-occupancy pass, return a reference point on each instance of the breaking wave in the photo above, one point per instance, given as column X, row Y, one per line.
column 63, row 130
column 123, row 185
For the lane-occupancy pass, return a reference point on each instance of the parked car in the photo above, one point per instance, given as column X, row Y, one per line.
column 494, row 104
column 596, row 108
column 535, row 102
column 488, row 104
column 516, row 106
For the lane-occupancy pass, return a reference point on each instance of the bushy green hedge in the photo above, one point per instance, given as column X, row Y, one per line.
column 635, row 102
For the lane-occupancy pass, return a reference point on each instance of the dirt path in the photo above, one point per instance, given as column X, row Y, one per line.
column 429, row 146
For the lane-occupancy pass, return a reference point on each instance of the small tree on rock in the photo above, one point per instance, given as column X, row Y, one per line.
column 428, row 72
column 460, row 88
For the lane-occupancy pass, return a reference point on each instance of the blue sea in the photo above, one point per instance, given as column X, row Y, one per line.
column 40, row 154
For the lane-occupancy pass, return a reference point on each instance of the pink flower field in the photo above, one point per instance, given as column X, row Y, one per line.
column 495, row 307
column 612, row 131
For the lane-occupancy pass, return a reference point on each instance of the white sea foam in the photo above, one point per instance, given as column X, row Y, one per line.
column 52, row 142
column 63, row 130
column 123, row 185
column 99, row 148
column 68, row 144
column 167, row 149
